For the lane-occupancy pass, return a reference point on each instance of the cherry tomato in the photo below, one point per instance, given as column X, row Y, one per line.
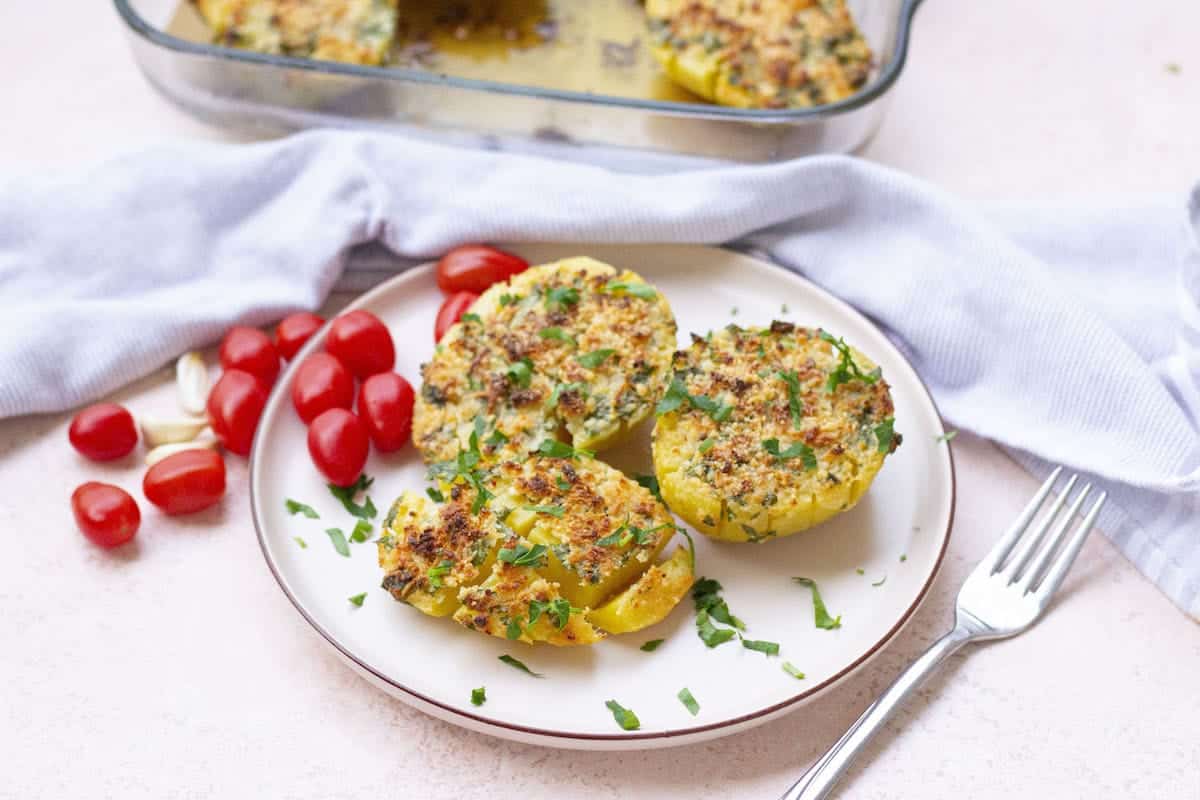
column 234, row 406
column 322, row 382
column 453, row 307
column 475, row 267
column 103, row 432
column 385, row 405
column 105, row 513
column 294, row 330
column 338, row 444
column 250, row 350
column 362, row 342
column 186, row 482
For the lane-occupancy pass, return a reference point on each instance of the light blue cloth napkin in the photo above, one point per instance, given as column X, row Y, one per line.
column 1067, row 335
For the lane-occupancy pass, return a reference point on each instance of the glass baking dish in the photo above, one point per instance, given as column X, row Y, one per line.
column 249, row 90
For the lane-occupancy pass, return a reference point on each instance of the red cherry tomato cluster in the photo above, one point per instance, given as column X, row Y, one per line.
column 358, row 346
column 466, row 272
column 191, row 480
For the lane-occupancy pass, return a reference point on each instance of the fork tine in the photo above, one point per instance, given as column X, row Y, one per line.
column 1035, row 570
column 1016, row 565
column 1058, row 570
column 1001, row 549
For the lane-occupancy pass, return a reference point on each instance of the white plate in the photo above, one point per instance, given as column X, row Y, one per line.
column 899, row 530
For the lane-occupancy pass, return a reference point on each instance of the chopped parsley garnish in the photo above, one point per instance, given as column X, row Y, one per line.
column 303, row 544
column 677, row 394
column 624, row 717
column 860, row 571
column 650, row 484
column 523, row 555
column 496, row 439
column 595, row 358
column 339, row 541
column 479, row 696
column 358, row 599
column 465, row 467
column 795, row 404
column 783, row 309
column 903, row 558
column 561, row 297
column 513, row 631
column 794, row 450
column 558, row 334
column 733, row 311
column 470, row 318
column 948, row 436
column 361, row 532
column 790, row 669
column 706, row 445
column 640, row 290
column 556, row 449
column 514, row 663
column 706, row 596
column 710, row 634
column 884, row 434
column 881, row 581
column 552, row 401
column 346, row 495
column 846, row 370
column 434, row 575
column 691, row 548
column 820, row 615
column 295, row 508
column 520, row 372
column 558, row 610
column 562, row 483
column 688, row 701
column 651, row 646
column 509, row 299
column 554, row 511
column 769, row 648
column 435, row 495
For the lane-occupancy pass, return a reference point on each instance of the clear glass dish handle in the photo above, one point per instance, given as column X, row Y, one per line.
column 817, row 782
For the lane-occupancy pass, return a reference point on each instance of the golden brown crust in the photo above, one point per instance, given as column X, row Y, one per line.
column 352, row 31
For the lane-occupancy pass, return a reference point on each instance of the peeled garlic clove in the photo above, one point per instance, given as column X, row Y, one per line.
column 163, row 450
column 191, row 383
column 159, row 430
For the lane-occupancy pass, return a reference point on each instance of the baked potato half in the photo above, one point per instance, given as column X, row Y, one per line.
column 761, row 54
column 527, row 549
column 765, row 432
column 576, row 350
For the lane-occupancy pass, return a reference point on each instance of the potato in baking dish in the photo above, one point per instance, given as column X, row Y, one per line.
column 760, row 53
column 353, row 31
column 577, row 350
column 558, row 549
column 767, row 432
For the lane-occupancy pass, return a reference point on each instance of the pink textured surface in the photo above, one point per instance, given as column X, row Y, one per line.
column 179, row 669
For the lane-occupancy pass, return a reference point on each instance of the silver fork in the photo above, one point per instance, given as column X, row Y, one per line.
column 1004, row 595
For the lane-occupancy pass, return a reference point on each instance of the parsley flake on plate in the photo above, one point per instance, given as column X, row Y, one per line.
column 791, row 669
column 303, row 544
column 358, row 599
column 881, row 581
column 479, row 696
column 651, row 646
column 516, row 664
column 346, row 495
column 362, row 531
column 820, row 614
column 339, row 541
column 624, row 716
column 294, row 508
column 689, row 702
column 767, row 648
column 948, row 436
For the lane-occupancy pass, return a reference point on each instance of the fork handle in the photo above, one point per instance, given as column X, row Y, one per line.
column 816, row 783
